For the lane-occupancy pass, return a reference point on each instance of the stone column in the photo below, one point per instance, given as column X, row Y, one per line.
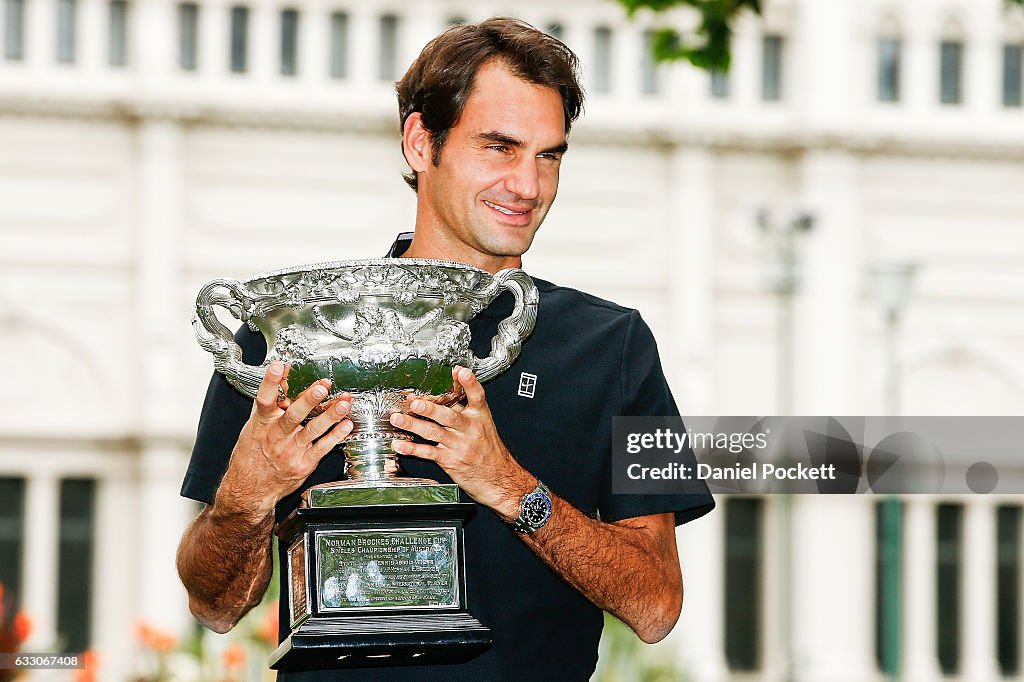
column 828, row 299
column 699, row 638
column 161, row 600
column 979, row 590
column 40, row 563
column 264, row 58
column 40, row 39
column 115, row 585
column 364, row 46
column 833, row 612
column 92, row 49
column 691, row 278
column 920, row 662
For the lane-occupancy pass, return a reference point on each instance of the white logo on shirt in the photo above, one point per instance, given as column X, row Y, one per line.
column 527, row 384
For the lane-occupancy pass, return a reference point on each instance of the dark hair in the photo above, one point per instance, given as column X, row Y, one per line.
column 440, row 81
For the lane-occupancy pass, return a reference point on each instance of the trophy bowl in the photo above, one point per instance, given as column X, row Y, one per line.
column 386, row 330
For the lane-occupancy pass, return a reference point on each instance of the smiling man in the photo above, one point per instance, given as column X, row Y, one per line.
column 485, row 112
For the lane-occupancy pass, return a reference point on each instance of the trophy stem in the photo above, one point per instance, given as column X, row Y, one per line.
column 372, row 460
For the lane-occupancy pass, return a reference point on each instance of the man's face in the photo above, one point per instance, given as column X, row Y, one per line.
column 498, row 171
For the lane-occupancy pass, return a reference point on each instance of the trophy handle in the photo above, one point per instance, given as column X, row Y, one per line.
column 218, row 340
column 507, row 343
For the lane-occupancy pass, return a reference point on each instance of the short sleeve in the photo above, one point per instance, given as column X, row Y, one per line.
column 645, row 393
column 225, row 411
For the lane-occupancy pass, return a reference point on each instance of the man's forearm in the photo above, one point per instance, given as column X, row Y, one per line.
column 627, row 569
column 225, row 563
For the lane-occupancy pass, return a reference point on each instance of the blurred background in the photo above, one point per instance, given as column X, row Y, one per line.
column 832, row 226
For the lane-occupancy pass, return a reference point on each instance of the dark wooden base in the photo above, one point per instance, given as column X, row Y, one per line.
column 378, row 641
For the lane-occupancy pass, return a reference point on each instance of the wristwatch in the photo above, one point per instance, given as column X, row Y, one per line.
column 534, row 510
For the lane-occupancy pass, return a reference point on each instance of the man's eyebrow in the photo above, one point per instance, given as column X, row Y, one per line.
column 500, row 138
column 557, row 149
column 503, row 138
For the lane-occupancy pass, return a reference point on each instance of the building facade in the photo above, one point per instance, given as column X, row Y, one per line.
column 147, row 147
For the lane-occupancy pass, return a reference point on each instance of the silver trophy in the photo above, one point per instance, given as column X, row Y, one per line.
column 375, row 561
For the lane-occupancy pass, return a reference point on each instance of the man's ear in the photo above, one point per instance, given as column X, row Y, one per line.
column 416, row 143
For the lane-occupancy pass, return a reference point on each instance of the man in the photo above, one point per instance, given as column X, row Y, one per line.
column 485, row 111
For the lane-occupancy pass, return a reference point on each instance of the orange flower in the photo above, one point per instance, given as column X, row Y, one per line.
column 267, row 630
column 87, row 673
column 22, row 626
column 153, row 638
column 234, row 656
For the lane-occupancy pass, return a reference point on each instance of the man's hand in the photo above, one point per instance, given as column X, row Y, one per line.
column 224, row 559
column 275, row 453
column 629, row 568
column 467, row 447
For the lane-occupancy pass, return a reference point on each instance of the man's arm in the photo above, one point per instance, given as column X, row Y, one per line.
column 224, row 559
column 629, row 568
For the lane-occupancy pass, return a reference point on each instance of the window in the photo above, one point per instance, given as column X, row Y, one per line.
column 66, row 31
column 289, row 42
column 1008, row 575
column 948, row 596
column 388, row 47
column 118, row 48
column 888, row 584
column 648, row 66
column 14, row 29
column 1012, row 58
column 602, row 59
column 239, row 39
column 188, row 36
column 339, row 45
column 719, row 84
column 743, row 556
column 950, row 71
column 12, row 537
column 889, row 52
column 771, row 68
column 75, row 559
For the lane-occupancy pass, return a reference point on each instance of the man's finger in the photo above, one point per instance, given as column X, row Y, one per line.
column 303, row 405
column 266, row 395
column 421, row 450
column 319, row 426
column 421, row 427
column 282, row 390
column 474, row 390
column 444, row 416
column 330, row 439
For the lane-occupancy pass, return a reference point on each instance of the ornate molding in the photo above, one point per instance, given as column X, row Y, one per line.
column 376, row 121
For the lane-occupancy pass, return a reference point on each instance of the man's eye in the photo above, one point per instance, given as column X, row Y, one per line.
column 549, row 155
column 498, row 147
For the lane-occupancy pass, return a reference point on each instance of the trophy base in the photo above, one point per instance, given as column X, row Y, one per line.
column 378, row 641
column 399, row 490
column 377, row 584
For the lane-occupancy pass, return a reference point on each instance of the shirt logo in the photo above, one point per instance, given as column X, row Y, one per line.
column 527, row 384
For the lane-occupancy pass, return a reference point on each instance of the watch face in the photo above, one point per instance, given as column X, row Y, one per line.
column 536, row 509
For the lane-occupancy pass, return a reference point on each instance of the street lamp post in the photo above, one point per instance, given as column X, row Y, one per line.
column 784, row 282
column 890, row 287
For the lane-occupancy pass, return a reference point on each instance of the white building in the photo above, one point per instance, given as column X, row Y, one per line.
column 148, row 146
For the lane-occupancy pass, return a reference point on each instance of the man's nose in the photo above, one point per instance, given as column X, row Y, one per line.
column 523, row 179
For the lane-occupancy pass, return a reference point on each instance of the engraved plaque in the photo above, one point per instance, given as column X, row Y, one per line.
column 384, row 569
column 297, row 579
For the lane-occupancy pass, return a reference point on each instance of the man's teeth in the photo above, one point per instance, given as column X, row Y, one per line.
column 503, row 209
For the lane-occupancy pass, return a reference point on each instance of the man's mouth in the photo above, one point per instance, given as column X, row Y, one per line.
column 506, row 211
